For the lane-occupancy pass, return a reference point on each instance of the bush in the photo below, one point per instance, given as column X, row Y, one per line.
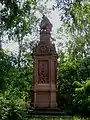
column 12, row 108
column 81, row 101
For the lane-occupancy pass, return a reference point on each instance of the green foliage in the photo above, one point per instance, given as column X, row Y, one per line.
column 81, row 16
column 73, row 76
column 15, row 87
column 87, row 87
column 11, row 107
column 81, row 101
column 5, row 65
column 11, row 10
column 77, row 84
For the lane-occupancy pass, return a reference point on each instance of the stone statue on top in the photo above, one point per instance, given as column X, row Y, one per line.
column 45, row 25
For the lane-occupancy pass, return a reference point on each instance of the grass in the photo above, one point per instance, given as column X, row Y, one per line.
column 57, row 118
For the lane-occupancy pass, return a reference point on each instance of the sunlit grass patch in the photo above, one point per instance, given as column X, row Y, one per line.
column 57, row 118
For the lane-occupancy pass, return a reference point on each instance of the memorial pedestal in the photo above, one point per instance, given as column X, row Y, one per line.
column 45, row 73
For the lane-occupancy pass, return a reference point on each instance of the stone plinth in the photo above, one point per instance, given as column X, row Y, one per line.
column 45, row 75
column 44, row 81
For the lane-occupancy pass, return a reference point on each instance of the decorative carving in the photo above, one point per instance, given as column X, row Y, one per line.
column 43, row 72
column 43, row 49
column 45, row 25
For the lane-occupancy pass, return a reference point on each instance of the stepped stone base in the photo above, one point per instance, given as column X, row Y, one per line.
column 49, row 111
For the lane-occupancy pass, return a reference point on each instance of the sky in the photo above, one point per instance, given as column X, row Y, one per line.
column 53, row 17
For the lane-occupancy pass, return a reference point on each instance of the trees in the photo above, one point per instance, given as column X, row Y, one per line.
column 15, row 86
column 75, row 60
column 17, row 20
column 74, row 66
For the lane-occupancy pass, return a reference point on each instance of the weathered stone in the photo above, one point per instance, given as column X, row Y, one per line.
column 45, row 69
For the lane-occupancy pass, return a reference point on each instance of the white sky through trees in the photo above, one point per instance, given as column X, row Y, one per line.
column 54, row 18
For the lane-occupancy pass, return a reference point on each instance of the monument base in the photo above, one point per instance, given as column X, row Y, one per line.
column 47, row 112
column 44, row 96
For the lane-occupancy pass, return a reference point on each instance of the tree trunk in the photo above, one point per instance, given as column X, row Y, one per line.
column 0, row 44
column 19, row 53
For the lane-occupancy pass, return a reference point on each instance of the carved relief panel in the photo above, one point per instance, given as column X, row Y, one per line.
column 43, row 72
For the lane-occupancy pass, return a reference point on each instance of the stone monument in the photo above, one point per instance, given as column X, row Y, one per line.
column 45, row 69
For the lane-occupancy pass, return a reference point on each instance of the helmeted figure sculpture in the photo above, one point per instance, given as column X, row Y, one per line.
column 45, row 25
